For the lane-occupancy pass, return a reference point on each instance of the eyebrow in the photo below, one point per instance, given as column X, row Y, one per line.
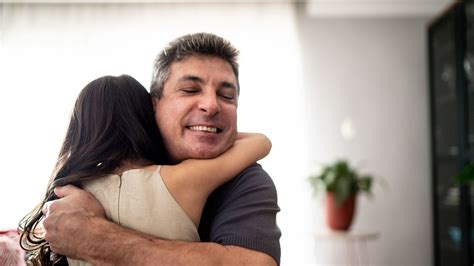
column 222, row 84
column 190, row 78
column 229, row 85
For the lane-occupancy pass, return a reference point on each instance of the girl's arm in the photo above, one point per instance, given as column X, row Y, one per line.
column 191, row 181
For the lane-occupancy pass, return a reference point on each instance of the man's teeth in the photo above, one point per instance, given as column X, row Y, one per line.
column 204, row 128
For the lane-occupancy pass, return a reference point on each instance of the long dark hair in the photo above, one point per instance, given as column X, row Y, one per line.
column 112, row 123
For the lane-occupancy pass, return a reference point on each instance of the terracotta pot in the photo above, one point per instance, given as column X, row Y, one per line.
column 339, row 217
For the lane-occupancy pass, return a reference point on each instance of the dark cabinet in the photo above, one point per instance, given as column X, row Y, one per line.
column 451, row 65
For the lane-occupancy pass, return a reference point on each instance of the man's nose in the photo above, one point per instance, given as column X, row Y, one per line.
column 209, row 104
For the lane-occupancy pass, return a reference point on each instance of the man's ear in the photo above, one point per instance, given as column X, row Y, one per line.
column 155, row 102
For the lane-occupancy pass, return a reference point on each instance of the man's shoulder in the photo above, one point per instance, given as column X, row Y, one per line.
column 253, row 184
column 242, row 212
column 254, row 169
column 253, row 177
column 254, row 174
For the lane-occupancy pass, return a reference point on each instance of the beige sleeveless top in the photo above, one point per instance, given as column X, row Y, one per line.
column 139, row 199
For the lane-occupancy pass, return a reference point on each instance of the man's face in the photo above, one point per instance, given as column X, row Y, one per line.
column 197, row 113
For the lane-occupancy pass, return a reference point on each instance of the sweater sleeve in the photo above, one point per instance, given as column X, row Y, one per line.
column 243, row 212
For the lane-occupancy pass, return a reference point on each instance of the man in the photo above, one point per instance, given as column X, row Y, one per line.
column 195, row 92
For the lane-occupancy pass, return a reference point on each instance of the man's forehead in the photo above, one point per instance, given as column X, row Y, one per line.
column 200, row 69
column 199, row 59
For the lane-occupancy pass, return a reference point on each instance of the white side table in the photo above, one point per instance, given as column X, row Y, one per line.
column 354, row 244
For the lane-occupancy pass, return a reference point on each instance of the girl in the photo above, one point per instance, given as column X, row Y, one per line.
column 114, row 150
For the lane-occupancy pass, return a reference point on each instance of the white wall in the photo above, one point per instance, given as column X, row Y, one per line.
column 374, row 71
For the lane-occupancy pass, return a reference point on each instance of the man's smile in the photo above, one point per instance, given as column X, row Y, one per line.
column 202, row 128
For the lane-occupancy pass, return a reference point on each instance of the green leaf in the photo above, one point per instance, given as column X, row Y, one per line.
column 364, row 183
column 342, row 190
column 467, row 175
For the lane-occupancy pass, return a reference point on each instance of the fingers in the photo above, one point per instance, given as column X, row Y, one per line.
column 67, row 190
column 61, row 192
column 45, row 209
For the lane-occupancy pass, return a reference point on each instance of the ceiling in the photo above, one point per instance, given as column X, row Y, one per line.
column 376, row 8
column 315, row 8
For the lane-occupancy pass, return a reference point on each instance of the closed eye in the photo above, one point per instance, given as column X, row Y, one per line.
column 228, row 94
column 228, row 97
column 190, row 90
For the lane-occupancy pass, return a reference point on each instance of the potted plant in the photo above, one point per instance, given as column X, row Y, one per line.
column 341, row 184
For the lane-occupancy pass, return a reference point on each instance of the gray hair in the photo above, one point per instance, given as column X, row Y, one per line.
column 197, row 44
